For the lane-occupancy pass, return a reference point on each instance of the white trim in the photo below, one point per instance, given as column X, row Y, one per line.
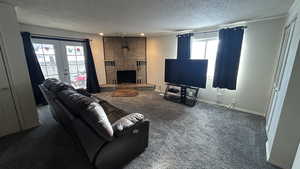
column 255, row 20
column 249, row 111
column 224, row 105
column 157, row 90
column 232, row 24
column 267, row 151
column 9, row 2
column 232, row 108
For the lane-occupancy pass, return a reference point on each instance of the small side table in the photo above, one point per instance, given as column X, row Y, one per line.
column 183, row 94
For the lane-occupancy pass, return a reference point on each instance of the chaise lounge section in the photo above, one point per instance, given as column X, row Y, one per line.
column 110, row 137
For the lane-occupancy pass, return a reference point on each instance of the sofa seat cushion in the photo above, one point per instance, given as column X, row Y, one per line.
column 113, row 113
column 127, row 121
column 96, row 118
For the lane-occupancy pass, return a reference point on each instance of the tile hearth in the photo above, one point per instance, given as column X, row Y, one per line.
column 111, row 87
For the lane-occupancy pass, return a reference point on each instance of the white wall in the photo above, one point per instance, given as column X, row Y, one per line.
column 18, row 72
column 259, row 53
column 96, row 44
column 260, row 49
column 159, row 48
column 257, row 65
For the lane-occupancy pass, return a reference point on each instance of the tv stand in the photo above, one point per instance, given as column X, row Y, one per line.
column 186, row 95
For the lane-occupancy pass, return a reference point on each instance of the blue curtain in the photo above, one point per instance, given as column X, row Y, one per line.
column 92, row 81
column 228, row 58
column 184, row 46
column 34, row 69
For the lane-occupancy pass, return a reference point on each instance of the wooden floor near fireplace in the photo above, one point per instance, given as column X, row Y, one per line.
column 111, row 87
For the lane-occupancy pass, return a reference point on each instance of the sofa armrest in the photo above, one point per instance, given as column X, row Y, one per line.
column 126, row 123
column 132, row 130
column 128, row 145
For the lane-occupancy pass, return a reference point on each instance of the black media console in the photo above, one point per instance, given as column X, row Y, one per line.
column 181, row 94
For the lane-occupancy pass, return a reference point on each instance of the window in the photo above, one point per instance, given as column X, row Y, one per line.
column 205, row 49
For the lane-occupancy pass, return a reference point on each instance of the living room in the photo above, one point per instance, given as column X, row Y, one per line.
column 156, row 83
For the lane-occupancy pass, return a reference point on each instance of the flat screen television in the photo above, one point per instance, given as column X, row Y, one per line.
column 186, row 72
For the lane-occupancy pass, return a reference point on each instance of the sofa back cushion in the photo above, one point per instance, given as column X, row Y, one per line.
column 55, row 85
column 75, row 102
column 96, row 118
column 86, row 109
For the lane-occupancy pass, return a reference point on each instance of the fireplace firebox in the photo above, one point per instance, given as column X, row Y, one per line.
column 126, row 76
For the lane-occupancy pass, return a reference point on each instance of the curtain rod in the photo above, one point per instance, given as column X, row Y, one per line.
column 49, row 37
column 212, row 31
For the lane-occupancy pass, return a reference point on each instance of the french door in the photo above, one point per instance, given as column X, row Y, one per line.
column 62, row 60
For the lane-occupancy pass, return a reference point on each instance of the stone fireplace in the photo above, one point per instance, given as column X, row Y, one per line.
column 125, row 60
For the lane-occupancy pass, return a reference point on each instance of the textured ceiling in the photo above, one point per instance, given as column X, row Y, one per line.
column 149, row 16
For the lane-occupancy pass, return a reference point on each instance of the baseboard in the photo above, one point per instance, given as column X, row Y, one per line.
column 33, row 125
column 250, row 111
column 224, row 105
column 157, row 90
column 233, row 108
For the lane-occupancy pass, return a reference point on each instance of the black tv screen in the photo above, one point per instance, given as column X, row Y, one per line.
column 186, row 72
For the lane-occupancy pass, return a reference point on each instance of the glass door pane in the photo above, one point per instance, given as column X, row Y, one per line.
column 46, row 56
column 75, row 64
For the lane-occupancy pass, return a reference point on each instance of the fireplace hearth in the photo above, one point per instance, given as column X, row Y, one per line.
column 126, row 76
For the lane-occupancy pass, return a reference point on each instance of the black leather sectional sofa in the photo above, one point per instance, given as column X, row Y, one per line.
column 110, row 137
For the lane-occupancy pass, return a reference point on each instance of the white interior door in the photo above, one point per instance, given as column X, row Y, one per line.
column 62, row 60
column 8, row 114
column 283, row 55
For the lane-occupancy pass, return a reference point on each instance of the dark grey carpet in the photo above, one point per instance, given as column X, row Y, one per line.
column 202, row 137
